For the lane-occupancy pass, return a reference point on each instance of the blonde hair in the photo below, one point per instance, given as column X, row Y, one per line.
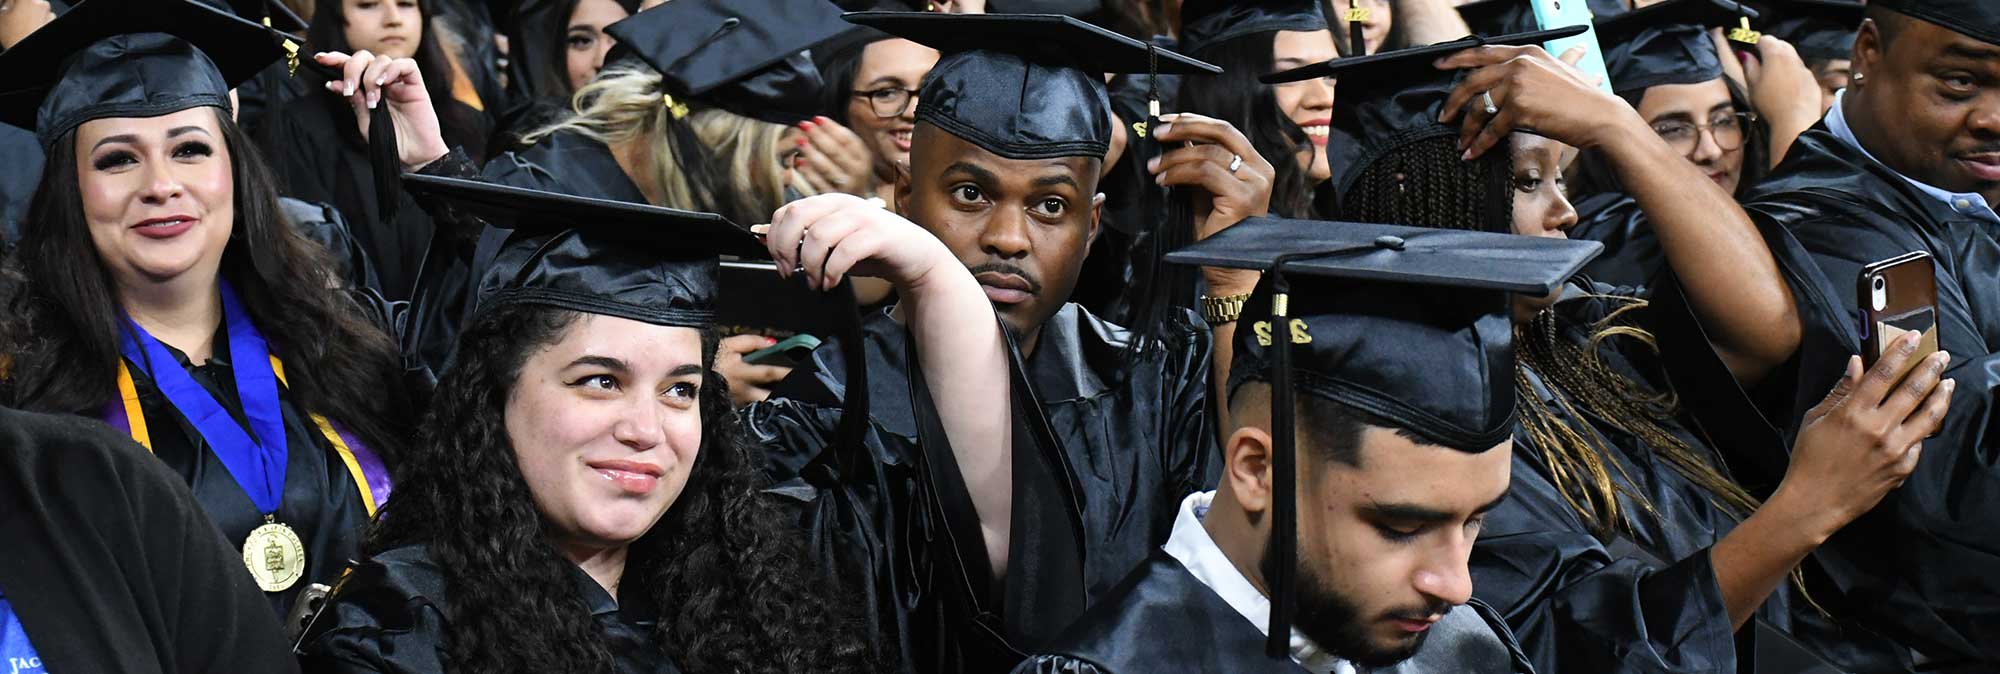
column 626, row 106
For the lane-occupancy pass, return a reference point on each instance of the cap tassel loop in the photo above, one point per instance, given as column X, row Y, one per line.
column 1357, row 15
column 1742, row 32
column 676, row 108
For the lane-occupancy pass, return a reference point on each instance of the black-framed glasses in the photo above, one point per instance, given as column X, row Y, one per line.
column 1729, row 130
column 888, row 102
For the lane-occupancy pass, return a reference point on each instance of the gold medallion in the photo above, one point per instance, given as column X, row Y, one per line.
column 274, row 555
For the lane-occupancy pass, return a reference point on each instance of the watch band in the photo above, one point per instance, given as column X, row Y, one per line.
column 1219, row 310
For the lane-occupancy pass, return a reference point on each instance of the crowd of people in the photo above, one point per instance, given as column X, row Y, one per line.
column 1064, row 336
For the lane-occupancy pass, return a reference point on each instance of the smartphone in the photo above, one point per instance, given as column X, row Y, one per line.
column 1553, row 14
column 789, row 352
column 1898, row 296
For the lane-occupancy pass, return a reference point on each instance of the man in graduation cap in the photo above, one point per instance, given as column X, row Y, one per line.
column 1373, row 404
column 1012, row 127
column 1907, row 160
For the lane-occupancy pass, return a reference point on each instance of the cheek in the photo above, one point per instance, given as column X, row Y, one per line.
column 1289, row 100
column 106, row 197
column 547, row 433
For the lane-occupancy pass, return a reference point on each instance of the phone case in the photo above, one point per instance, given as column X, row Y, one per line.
column 1911, row 286
column 1552, row 14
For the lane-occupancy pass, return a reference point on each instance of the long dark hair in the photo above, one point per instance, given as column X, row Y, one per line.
column 838, row 68
column 328, row 32
column 62, row 319
column 1251, row 106
column 1595, row 175
column 735, row 594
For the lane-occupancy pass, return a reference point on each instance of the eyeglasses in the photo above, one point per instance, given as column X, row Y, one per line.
column 1728, row 130
column 888, row 102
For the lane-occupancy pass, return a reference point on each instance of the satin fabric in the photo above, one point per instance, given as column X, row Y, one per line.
column 1917, row 566
column 1978, row 19
column 320, row 501
column 1632, row 255
column 113, row 566
column 392, row 615
column 1647, row 599
column 1135, row 448
column 744, row 56
column 1819, row 29
column 1205, row 24
column 1659, row 55
column 1163, row 619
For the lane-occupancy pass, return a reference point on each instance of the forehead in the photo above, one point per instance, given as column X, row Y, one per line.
column 588, row 11
column 896, row 57
column 1530, row 147
column 1396, row 469
column 1684, row 98
column 1303, row 46
column 642, row 345
column 143, row 128
column 937, row 153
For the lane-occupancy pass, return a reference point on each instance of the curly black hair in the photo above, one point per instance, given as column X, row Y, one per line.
column 735, row 593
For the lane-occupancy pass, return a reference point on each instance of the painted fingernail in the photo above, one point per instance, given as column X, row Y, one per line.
column 770, row 341
column 1164, row 129
column 1467, row 156
column 803, row 142
column 1153, row 165
column 806, row 125
column 822, row 120
column 379, row 81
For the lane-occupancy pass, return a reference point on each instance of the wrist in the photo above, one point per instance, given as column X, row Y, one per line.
column 1227, row 282
column 1813, row 523
column 425, row 157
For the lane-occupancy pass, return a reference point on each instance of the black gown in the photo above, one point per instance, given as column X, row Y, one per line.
column 326, row 501
column 1920, row 566
column 18, row 182
column 891, row 523
column 391, row 615
column 1163, row 619
column 1632, row 255
column 111, row 565
column 1647, row 600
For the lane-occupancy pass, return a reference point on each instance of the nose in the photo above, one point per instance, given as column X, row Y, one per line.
column 162, row 185
column 1705, row 148
column 604, row 45
column 909, row 113
column 393, row 13
column 642, row 426
column 1985, row 119
column 1561, row 216
column 1006, row 234
column 1445, row 577
column 1318, row 96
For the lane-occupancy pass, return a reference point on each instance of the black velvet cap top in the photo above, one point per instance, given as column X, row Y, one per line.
column 259, row 11
column 128, row 58
column 1408, row 325
column 745, row 56
column 1497, row 17
column 645, row 263
column 1024, row 86
column 1667, row 43
column 1977, row 19
column 1393, row 98
column 1205, row 23
column 1819, row 29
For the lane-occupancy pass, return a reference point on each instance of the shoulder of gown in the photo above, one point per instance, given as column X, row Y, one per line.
column 388, row 615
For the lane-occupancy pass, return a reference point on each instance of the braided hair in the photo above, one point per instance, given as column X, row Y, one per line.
column 1425, row 183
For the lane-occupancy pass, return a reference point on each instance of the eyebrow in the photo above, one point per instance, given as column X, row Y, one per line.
column 1970, row 52
column 1410, row 512
column 133, row 138
column 685, row 370
column 1055, row 179
column 1675, row 116
column 979, row 173
column 179, row 131
column 606, row 362
column 886, row 79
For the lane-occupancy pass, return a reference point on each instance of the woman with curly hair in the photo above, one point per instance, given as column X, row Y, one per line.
column 1626, row 545
column 581, row 498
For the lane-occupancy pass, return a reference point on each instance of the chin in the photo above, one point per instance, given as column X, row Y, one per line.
column 620, row 522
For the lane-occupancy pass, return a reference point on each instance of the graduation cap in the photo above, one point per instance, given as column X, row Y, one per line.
column 1819, row 29
column 1409, row 325
column 128, row 58
column 1668, row 43
column 1205, row 23
column 1024, row 86
column 644, row 263
column 1391, row 99
column 272, row 13
column 1498, row 17
column 745, row 56
column 1977, row 19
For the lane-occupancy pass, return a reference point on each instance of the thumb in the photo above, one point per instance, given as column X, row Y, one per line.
column 1849, row 380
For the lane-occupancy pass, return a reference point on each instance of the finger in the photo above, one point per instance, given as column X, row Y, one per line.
column 1496, row 130
column 1466, row 94
column 1917, row 385
column 1882, row 378
column 789, row 224
column 1849, row 379
column 350, row 74
column 1199, row 154
column 1907, row 463
column 1573, row 55
column 858, row 246
column 372, row 79
column 762, row 376
column 739, row 345
column 332, row 59
column 1475, row 118
column 1480, row 57
column 820, row 241
column 1926, row 421
column 1189, row 127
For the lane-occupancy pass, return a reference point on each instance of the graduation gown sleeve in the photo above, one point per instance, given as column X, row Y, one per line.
column 386, row 617
column 112, row 566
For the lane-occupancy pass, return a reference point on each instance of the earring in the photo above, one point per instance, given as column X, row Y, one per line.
column 1858, row 78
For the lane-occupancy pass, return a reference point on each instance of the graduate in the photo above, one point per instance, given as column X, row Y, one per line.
column 1626, row 544
column 1908, row 159
column 113, row 565
column 1012, row 125
column 1338, row 538
column 620, row 524
column 1823, row 33
column 159, row 287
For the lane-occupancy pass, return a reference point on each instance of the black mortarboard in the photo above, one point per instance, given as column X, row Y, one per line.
column 271, row 13
column 1205, row 23
column 1819, row 29
column 128, row 58
column 1667, row 43
column 1393, row 98
column 645, row 263
column 745, row 56
column 1408, row 325
column 1977, row 19
column 1024, row 86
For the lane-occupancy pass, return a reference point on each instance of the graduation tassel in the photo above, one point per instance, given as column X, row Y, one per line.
column 1356, row 41
column 1284, row 469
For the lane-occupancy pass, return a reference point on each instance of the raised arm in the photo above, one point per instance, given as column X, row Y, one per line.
column 1731, row 279
column 959, row 344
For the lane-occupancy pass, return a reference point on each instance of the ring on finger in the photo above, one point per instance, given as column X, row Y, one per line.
column 799, row 254
column 1486, row 98
column 1235, row 163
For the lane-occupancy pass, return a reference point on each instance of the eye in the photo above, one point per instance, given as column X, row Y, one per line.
column 1959, row 84
column 115, row 159
column 1528, row 181
column 1674, row 132
column 684, row 391
column 193, row 149
column 1474, row 525
column 967, row 193
column 581, row 41
column 602, row 382
column 1052, row 207
column 1395, row 535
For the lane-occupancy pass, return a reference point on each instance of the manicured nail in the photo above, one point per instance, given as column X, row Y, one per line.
column 806, row 125
column 802, row 141
column 1467, row 156
column 770, row 341
column 822, row 120
column 1153, row 165
column 1163, row 130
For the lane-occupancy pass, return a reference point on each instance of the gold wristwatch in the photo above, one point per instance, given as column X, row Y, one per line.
column 1219, row 310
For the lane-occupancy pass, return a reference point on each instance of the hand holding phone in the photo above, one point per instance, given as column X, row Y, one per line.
column 1898, row 296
